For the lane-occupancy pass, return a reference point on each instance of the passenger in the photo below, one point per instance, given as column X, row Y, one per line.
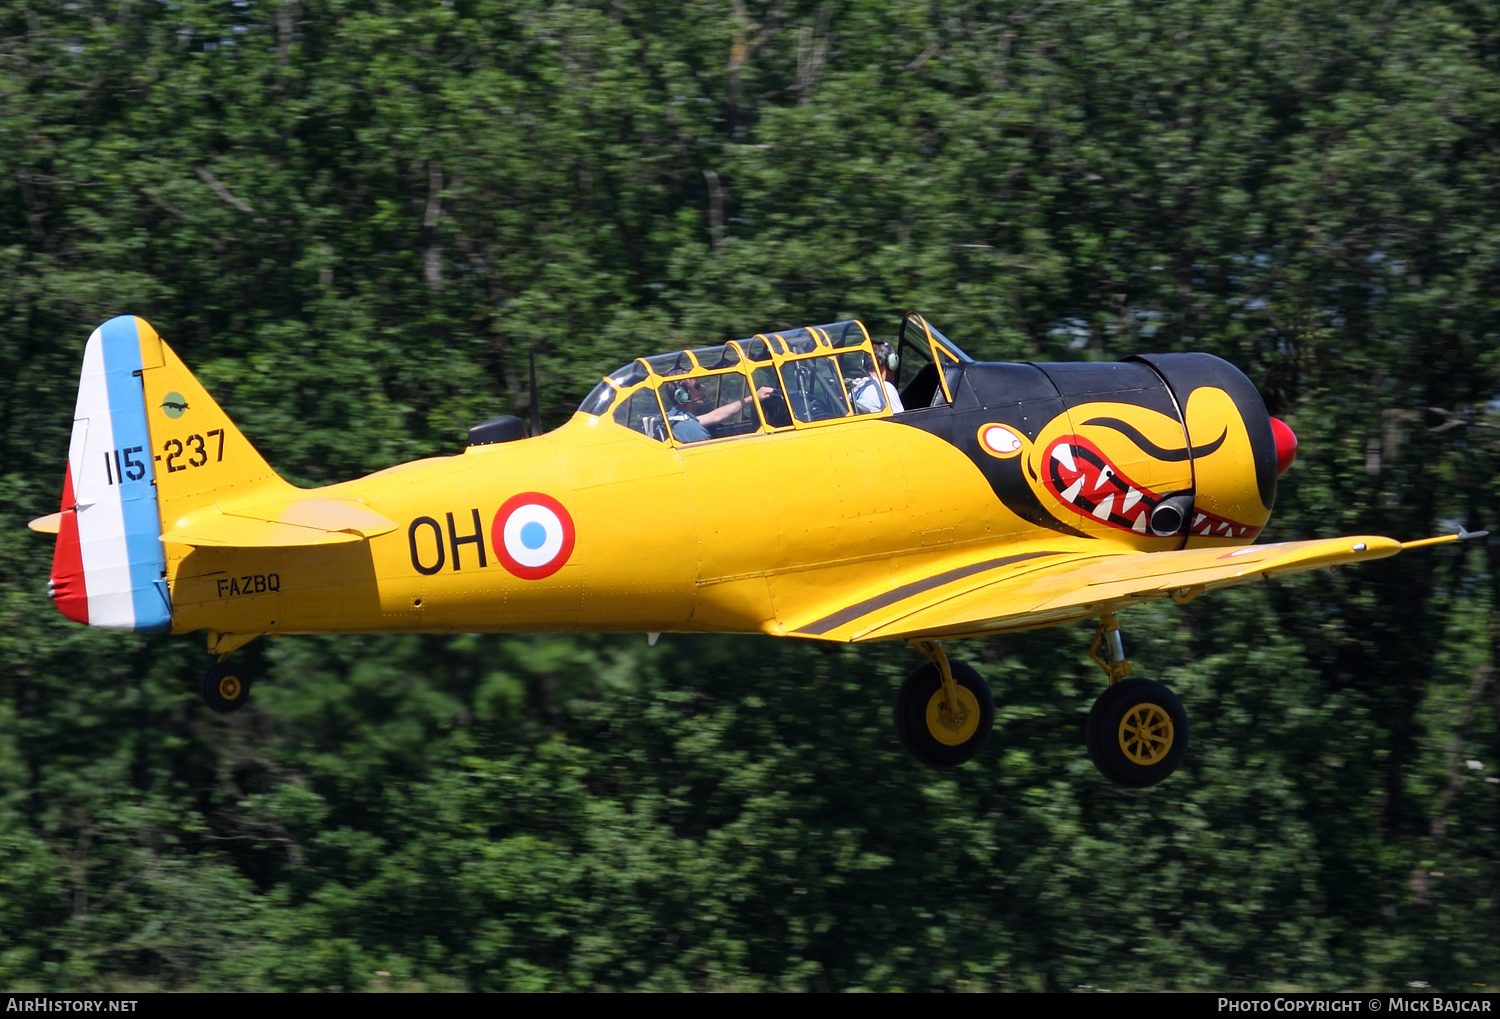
column 867, row 391
column 683, row 400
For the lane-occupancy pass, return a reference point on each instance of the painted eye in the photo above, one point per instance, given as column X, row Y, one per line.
column 999, row 440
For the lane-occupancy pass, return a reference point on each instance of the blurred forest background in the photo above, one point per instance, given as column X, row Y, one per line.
column 354, row 219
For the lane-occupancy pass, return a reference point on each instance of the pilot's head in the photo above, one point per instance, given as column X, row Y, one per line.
column 688, row 394
column 886, row 361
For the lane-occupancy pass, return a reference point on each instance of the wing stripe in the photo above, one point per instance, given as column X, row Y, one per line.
column 1078, row 587
column 880, row 601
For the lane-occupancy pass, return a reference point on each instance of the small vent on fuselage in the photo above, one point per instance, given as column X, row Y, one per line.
column 506, row 428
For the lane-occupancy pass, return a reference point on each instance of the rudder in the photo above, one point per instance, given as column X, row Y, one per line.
column 109, row 567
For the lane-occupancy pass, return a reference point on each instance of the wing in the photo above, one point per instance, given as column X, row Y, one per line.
column 1038, row 588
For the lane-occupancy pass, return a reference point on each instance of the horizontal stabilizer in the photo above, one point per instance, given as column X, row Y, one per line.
column 280, row 524
column 49, row 524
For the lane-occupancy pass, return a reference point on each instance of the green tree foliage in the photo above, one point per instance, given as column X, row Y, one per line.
column 356, row 219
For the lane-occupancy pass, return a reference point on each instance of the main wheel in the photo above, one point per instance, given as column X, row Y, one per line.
column 1137, row 733
column 1101, row 705
column 224, row 687
column 928, row 730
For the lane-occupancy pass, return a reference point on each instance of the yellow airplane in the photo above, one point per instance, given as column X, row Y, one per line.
column 779, row 484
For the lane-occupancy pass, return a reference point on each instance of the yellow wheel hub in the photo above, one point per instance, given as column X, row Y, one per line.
column 953, row 728
column 1145, row 734
column 229, row 687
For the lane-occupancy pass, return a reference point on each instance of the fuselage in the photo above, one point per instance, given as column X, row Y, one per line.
column 601, row 525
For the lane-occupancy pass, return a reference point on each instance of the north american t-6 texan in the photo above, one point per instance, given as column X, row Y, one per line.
column 811, row 482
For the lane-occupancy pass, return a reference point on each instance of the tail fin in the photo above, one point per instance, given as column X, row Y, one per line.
column 149, row 444
column 198, row 453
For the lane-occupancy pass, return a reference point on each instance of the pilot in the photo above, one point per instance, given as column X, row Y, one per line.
column 867, row 391
column 685, row 398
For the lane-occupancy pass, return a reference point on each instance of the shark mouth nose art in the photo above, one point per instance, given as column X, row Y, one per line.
column 1211, row 526
column 1082, row 478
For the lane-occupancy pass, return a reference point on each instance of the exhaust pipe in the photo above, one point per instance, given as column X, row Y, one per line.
column 1171, row 515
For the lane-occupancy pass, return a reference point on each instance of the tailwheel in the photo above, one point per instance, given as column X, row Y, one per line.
column 225, row 687
column 932, row 728
column 1137, row 733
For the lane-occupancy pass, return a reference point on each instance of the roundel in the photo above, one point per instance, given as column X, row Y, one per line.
column 1000, row 440
column 532, row 535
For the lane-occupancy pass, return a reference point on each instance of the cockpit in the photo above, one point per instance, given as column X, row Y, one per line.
column 798, row 378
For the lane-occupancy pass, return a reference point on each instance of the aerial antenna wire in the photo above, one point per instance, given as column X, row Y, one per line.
column 536, row 408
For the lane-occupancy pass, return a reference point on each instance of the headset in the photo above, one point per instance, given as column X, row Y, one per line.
column 679, row 393
column 885, row 354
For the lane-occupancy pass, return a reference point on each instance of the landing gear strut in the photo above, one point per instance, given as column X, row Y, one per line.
column 944, row 711
column 1137, row 731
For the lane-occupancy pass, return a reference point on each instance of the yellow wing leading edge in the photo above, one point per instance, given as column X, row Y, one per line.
column 1040, row 588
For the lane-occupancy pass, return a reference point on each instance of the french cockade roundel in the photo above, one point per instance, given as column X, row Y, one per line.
column 533, row 535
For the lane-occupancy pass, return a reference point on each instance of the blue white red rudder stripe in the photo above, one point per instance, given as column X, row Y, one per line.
column 109, row 567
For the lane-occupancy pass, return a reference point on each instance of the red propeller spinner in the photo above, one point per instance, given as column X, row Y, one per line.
column 1286, row 444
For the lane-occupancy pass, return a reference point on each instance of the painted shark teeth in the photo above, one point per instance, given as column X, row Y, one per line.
column 1210, row 526
column 1079, row 475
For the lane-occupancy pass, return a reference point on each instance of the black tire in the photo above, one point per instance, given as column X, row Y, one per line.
column 1101, row 704
column 1137, row 733
column 925, row 740
column 224, row 687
